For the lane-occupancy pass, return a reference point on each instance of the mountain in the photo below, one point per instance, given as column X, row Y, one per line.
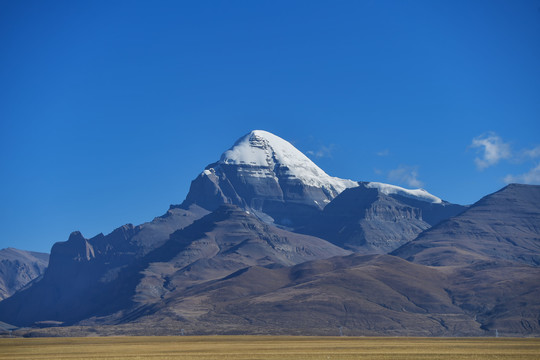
column 268, row 176
column 76, row 285
column 231, row 260
column 18, row 268
column 364, row 295
column 434, row 209
column 80, row 269
column 501, row 226
column 502, row 296
column 221, row 243
column 383, row 294
column 378, row 218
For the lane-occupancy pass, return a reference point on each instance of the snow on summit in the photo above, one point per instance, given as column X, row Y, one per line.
column 419, row 194
column 261, row 154
column 263, row 149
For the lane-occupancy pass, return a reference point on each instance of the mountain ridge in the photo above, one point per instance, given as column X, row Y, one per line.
column 262, row 245
column 508, row 221
column 366, row 220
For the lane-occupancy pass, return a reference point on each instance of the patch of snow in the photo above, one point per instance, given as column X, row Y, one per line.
column 263, row 149
column 419, row 194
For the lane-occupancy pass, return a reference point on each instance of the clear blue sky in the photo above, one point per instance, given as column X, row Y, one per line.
column 108, row 109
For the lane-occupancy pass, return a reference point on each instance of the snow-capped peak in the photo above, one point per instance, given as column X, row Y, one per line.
column 263, row 149
column 419, row 194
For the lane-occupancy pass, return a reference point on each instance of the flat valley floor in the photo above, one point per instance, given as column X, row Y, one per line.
column 268, row 347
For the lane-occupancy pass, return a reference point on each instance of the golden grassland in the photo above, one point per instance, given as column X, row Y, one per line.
column 268, row 347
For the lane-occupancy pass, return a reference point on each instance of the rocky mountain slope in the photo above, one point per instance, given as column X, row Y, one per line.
column 81, row 283
column 376, row 219
column 364, row 295
column 221, row 243
column 504, row 225
column 472, row 282
column 79, row 269
column 18, row 268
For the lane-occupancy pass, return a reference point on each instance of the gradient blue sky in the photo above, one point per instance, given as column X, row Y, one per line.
column 108, row 109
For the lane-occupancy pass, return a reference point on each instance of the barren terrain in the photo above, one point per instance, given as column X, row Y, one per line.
column 268, row 347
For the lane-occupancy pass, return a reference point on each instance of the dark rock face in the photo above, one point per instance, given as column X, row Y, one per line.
column 18, row 268
column 268, row 176
column 365, row 220
column 504, row 226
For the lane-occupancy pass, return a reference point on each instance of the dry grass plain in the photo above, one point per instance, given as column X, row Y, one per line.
column 269, row 347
